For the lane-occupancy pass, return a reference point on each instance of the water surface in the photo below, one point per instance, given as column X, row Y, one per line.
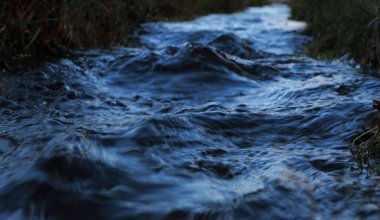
column 216, row 118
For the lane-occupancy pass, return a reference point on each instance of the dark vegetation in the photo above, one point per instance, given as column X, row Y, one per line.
column 51, row 26
column 366, row 147
column 342, row 26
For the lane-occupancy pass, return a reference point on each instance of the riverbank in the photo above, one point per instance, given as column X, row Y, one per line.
column 52, row 26
column 342, row 27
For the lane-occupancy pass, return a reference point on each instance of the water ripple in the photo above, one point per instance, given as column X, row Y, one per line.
column 215, row 118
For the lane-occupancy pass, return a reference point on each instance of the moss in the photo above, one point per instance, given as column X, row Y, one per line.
column 46, row 26
column 341, row 26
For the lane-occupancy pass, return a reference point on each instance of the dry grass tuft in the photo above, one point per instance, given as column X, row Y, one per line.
column 366, row 147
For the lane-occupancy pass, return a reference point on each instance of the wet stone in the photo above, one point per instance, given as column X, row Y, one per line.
column 72, row 95
column 56, row 85
column 343, row 90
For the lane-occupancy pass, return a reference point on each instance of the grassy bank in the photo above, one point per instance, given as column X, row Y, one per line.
column 342, row 26
column 36, row 26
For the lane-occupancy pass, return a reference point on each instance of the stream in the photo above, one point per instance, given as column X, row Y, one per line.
column 222, row 117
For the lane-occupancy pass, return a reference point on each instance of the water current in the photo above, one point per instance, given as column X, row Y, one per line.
column 217, row 118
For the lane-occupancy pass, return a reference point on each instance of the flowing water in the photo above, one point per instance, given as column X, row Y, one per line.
column 216, row 118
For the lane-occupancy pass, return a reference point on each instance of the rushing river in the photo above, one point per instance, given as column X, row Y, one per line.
column 216, row 118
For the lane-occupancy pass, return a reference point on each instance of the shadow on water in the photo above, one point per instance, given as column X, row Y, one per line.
column 217, row 118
